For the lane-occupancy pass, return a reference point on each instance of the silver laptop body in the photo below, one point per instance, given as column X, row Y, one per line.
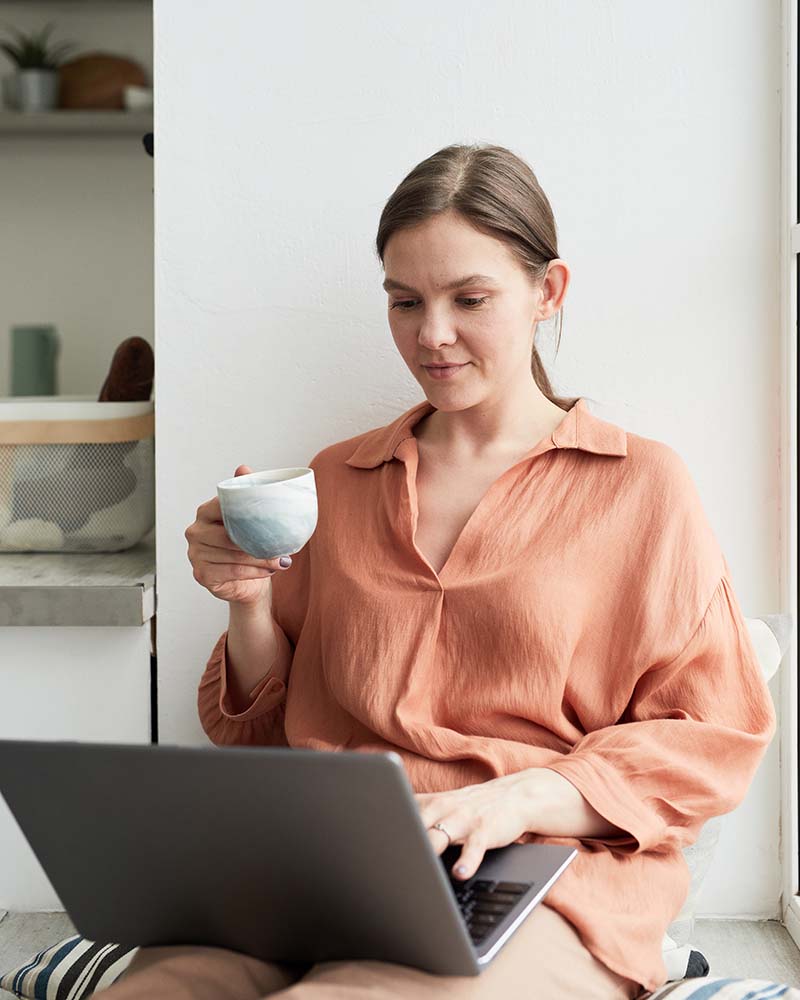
column 290, row 855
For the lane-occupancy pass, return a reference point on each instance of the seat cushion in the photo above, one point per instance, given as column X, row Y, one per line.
column 72, row 968
column 722, row 988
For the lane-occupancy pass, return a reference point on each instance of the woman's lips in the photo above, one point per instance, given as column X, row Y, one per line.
column 440, row 373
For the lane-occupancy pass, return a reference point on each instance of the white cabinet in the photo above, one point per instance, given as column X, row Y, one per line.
column 90, row 684
column 87, row 682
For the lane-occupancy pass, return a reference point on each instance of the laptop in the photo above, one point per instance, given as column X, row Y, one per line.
column 288, row 854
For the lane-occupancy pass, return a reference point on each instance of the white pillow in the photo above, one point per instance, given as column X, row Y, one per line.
column 770, row 635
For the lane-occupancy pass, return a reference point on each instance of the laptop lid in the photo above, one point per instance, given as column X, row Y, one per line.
column 287, row 854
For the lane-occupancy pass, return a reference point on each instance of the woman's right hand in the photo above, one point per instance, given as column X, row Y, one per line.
column 224, row 569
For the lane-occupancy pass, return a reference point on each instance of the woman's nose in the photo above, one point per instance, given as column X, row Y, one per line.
column 432, row 333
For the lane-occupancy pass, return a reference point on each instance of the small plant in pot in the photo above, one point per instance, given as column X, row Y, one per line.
column 36, row 78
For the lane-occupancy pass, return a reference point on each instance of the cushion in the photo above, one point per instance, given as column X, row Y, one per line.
column 770, row 635
column 72, row 968
column 720, row 988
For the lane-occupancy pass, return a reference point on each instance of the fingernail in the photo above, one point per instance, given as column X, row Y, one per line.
column 286, row 561
column 461, row 870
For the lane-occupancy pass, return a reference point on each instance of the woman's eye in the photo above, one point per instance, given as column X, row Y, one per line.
column 470, row 303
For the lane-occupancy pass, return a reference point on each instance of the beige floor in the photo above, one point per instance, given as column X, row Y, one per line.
column 759, row 949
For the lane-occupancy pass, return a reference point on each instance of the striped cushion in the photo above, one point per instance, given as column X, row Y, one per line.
column 721, row 988
column 68, row 970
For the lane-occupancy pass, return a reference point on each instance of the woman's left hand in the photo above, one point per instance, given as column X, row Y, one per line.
column 493, row 813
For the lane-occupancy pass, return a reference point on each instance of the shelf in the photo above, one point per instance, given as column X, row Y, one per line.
column 75, row 122
column 79, row 588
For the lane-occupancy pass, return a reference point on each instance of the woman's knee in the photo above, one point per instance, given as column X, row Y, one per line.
column 544, row 958
column 194, row 972
column 147, row 955
column 547, row 952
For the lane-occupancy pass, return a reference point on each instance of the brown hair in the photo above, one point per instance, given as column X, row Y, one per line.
column 498, row 193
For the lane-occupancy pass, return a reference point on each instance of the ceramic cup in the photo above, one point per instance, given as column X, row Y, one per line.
column 270, row 513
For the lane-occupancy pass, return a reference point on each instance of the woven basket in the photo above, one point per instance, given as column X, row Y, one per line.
column 76, row 475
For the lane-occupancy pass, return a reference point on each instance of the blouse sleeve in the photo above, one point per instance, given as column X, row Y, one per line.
column 262, row 722
column 689, row 742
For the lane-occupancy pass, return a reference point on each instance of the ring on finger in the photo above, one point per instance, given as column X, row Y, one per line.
column 438, row 826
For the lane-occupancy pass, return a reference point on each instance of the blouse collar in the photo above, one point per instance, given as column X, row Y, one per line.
column 579, row 429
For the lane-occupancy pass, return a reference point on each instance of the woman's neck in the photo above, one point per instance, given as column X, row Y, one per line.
column 462, row 436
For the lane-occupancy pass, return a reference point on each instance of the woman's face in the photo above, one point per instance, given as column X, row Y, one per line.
column 487, row 323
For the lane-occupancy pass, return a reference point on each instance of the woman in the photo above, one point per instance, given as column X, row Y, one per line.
column 524, row 601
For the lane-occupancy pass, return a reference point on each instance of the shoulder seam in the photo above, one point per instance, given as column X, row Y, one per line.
column 719, row 584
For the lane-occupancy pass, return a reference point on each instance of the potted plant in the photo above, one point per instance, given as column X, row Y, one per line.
column 36, row 77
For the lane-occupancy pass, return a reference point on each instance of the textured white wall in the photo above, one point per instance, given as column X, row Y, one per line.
column 280, row 138
column 76, row 211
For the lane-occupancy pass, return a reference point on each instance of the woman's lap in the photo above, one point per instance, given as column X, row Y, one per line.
column 544, row 958
column 200, row 972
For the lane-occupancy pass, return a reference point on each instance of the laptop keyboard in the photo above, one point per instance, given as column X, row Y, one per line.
column 484, row 904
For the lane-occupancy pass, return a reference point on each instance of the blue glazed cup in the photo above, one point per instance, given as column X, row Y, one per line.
column 270, row 513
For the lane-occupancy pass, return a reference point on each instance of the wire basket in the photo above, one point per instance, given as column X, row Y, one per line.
column 76, row 475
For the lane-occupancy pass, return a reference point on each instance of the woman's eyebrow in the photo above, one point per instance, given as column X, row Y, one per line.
column 478, row 279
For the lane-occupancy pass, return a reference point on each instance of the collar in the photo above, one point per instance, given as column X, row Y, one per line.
column 579, row 429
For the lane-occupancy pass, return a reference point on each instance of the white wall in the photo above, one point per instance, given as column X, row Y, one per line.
column 76, row 211
column 654, row 131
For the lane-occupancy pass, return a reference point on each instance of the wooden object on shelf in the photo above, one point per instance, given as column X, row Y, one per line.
column 97, row 80
column 130, row 376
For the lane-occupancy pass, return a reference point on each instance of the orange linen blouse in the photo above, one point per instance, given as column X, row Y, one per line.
column 585, row 621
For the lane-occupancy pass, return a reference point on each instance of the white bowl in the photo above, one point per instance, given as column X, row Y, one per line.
column 137, row 98
column 270, row 513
